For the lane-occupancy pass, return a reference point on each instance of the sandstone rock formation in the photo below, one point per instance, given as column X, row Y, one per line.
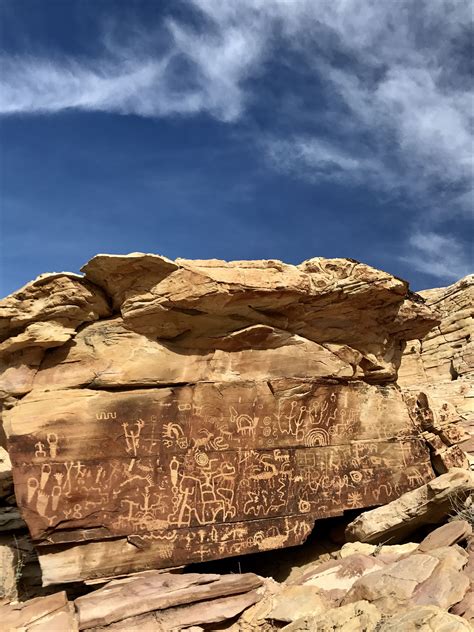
column 441, row 365
column 161, row 412
column 429, row 504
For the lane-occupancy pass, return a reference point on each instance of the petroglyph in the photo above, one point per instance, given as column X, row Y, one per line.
column 261, row 456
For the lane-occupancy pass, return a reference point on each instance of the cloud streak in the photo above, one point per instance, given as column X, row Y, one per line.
column 394, row 77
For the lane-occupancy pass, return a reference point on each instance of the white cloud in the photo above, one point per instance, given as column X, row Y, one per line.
column 441, row 256
column 393, row 77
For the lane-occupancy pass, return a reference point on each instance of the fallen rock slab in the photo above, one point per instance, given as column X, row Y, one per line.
column 295, row 602
column 425, row 619
column 335, row 578
column 353, row 617
column 151, row 590
column 450, row 533
column 196, row 614
column 428, row 504
column 42, row 614
column 419, row 579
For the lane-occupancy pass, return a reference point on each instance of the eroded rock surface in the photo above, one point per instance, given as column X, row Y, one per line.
column 441, row 365
column 216, row 408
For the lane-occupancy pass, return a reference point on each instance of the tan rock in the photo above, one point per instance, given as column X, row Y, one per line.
column 186, row 617
column 387, row 553
column 204, row 301
column 441, row 364
column 394, row 585
column 42, row 614
column 334, row 579
column 61, row 298
column 421, row 578
column 424, row 619
column 295, row 602
column 223, row 409
column 10, row 568
column 448, row 534
column 152, row 590
column 352, row 617
column 465, row 608
column 428, row 504
column 447, row 585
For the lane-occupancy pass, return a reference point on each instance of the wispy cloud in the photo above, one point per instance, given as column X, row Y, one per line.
column 391, row 78
column 441, row 256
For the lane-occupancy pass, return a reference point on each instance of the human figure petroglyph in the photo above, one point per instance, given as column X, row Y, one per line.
column 42, row 500
column 32, row 485
column 55, row 497
column 39, row 449
column 132, row 438
column 45, row 474
column 52, row 441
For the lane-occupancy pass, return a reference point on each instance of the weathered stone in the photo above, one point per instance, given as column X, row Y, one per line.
column 441, row 364
column 334, row 579
column 387, row 553
column 9, row 572
column 10, row 519
column 393, row 586
column 223, row 409
column 428, row 504
column 151, row 590
column 181, row 440
column 63, row 299
column 421, row 578
column 448, row 534
column 465, row 608
column 295, row 602
column 352, row 617
column 424, row 619
column 186, row 617
column 42, row 614
column 446, row 585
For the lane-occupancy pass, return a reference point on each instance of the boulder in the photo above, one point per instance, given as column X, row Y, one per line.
column 335, row 578
column 352, row 617
column 217, row 408
column 295, row 602
column 151, row 590
column 42, row 614
column 428, row 504
column 450, row 533
column 419, row 579
column 424, row 619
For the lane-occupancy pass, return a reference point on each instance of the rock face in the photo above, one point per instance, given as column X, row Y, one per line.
column 178, row 411
column 441, row 365
column 429, row 504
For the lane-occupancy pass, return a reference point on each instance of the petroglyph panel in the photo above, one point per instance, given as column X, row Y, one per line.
column 159, row 466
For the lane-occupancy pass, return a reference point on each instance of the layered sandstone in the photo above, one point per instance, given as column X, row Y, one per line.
column 161, row 412
column 441, row 365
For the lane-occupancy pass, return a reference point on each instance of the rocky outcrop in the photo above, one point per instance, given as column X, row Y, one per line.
column 441, row 366
column 162, row 412
column 429, row 504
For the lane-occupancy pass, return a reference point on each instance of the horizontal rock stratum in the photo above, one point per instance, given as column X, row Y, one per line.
column 161, row 412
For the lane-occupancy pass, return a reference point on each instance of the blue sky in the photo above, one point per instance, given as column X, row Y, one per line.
column 255, row 129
